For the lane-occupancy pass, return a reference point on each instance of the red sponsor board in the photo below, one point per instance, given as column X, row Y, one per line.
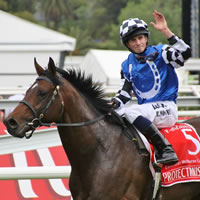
column 36, row 189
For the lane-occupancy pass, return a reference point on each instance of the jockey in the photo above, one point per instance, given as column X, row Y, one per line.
column 149, row 72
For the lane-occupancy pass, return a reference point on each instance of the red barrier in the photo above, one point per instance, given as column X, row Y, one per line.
column 34, row 189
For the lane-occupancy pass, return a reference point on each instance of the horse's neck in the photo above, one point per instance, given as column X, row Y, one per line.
column 84, row 143
column 78, row 141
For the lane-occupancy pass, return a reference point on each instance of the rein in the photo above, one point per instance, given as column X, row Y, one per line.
column 36, row 122
column 75, row 124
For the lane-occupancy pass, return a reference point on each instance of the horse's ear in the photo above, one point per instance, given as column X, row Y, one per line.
column 38, row 68
column 51, row 66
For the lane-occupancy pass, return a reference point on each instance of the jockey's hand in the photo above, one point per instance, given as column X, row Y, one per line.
column 115, row 103
column 161, row 24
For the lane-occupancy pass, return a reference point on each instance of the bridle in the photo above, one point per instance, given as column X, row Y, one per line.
column 36, row 122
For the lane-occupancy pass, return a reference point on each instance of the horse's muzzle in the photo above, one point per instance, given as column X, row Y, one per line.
column 11, row 125
column 13, row 128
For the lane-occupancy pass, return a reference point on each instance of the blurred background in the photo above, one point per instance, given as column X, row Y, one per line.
column 95, row 23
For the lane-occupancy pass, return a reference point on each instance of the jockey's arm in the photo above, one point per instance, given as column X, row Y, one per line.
column 176, row 53
column 124, row 93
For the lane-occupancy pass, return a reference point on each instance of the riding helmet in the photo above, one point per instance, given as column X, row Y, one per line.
column 132, row 27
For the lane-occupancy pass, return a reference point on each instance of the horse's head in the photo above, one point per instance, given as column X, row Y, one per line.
column 42, row 101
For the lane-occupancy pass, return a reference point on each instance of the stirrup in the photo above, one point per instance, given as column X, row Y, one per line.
column 171, row 161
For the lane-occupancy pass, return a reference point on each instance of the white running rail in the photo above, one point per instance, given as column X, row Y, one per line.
column 15, row 173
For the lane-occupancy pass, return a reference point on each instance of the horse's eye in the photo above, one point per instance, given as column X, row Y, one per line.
column 42, row 93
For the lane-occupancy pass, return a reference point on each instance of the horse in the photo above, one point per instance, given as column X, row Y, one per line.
column 106, row 165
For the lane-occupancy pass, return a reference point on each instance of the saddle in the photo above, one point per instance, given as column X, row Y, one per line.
column 131, row 133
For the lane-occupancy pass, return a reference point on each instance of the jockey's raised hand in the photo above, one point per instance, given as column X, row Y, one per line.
column 161, row 24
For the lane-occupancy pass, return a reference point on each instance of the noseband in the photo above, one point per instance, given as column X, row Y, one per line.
column 36, row 122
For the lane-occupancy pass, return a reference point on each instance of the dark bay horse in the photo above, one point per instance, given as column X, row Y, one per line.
column 106, row 165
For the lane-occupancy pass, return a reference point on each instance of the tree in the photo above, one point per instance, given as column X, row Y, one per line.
column 53, row 11
column 75, row 24
column 21, row 5
column 104, row 13
column 3, row 5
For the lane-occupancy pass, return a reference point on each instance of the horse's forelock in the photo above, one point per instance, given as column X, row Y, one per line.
column 55, row 80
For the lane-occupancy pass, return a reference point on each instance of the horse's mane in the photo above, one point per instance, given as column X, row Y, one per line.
column 91, row 90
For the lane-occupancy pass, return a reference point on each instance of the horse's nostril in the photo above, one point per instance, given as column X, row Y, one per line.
column 12, row 123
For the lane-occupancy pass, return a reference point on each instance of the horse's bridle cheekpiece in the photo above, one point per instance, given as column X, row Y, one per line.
column 36, row 122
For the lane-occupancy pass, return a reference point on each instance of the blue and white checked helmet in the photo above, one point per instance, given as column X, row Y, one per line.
column 132, row 27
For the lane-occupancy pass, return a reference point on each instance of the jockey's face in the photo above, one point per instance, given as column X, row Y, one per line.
column 137, row 43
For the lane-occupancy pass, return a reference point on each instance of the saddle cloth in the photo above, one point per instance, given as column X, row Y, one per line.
column 186, row 144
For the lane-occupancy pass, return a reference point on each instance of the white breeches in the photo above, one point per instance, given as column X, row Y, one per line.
column 161, row 113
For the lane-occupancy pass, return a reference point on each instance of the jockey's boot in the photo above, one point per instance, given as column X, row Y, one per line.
column 165, row 153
